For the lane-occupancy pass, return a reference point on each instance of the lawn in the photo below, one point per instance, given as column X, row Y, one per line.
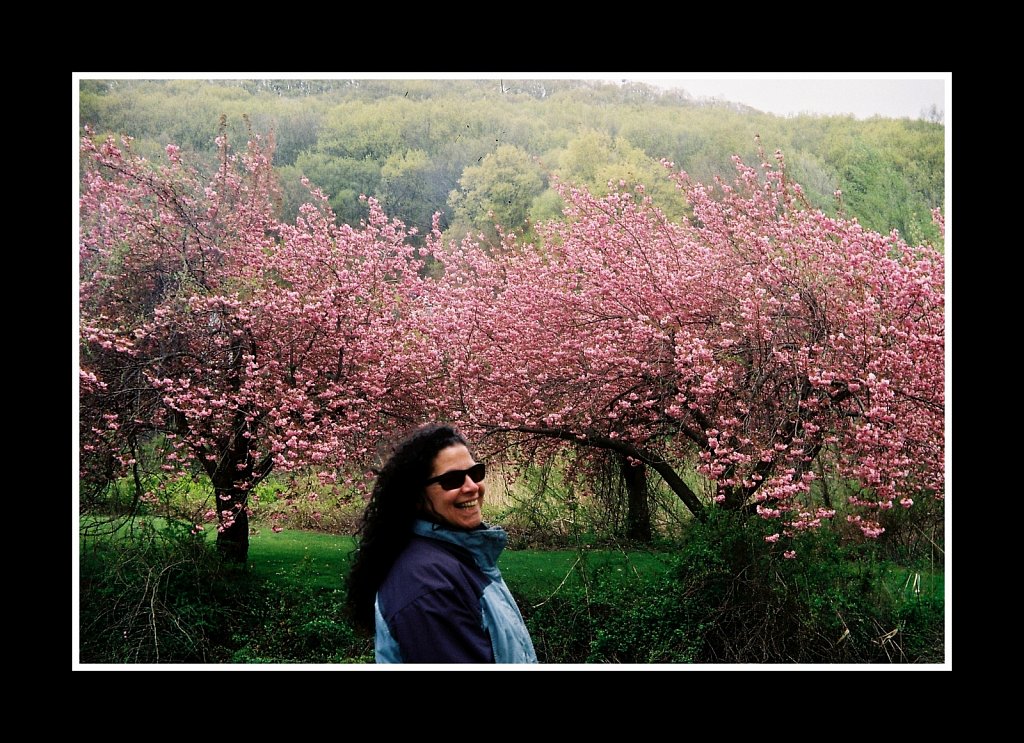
column 312, row 559
column 300, row 558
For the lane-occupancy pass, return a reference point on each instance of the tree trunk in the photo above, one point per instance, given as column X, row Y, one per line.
column 233, row 539
column 826, row 498
column 233, row 520
column 735, row 498
column 638, row 513
column 655, row 462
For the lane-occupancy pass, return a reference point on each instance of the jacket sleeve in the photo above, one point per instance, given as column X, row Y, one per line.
column 443, row 626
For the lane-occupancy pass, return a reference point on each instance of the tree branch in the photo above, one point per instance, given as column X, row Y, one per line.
column 657, row 463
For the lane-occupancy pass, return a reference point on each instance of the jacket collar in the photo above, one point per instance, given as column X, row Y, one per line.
column 485, row 542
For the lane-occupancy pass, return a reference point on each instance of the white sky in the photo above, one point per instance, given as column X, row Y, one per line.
column 862, row 95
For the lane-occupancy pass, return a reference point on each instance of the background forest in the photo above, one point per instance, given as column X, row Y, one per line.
column 485, row 152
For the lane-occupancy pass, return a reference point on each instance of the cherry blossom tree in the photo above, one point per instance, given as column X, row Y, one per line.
column 248, row 344
column 730, row 352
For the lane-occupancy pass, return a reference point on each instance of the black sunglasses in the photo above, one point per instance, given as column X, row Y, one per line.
column 454, row 478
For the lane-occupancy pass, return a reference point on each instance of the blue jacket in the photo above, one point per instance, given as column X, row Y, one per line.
column 445, row 601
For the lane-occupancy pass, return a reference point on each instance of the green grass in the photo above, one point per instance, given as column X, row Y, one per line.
column 296, row 558
column 534, row 575
column 313, row 560
column 908, row 584
column 303, row 558
column 300, row 558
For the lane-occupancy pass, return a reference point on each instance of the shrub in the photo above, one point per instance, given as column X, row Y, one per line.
column 608, row 621
column 156, row 595
column 296, row 624
column 162, row 595
column 732, row 598
column 915, row 535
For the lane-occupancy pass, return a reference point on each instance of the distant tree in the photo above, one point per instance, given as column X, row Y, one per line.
column 742, row 347
column 870, row 186
column 413, row 187
column 345, row 180
column 249, row 344
column 819, row 181
column 602, row 164
column 498, row 191
column 296, row 126
column 933, row 114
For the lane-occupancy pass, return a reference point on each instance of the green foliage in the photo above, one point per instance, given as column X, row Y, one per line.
column 295, row 500
column 344, row 180
column 873, row 189
column 561, row 503
column 547, row 509
column 833, row 603
column 158, row 596
column 539, row 512
column 301, row 501
column 915, row 536
column 408, row 186
column 295, row 624
column 609, row 608
column 500, row 190
column 731, row 598
column 602, row 163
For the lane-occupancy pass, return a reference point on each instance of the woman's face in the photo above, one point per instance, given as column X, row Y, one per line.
column 459, row 507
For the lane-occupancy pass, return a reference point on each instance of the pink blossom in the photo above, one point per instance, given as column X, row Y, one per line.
column 730, row 347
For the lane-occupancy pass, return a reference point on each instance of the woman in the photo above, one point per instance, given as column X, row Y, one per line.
column 426, row 576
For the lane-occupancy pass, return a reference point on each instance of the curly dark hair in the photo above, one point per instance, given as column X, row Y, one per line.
column 395, row 502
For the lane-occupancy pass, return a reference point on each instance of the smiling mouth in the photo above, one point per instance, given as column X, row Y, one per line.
column 468, row 504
